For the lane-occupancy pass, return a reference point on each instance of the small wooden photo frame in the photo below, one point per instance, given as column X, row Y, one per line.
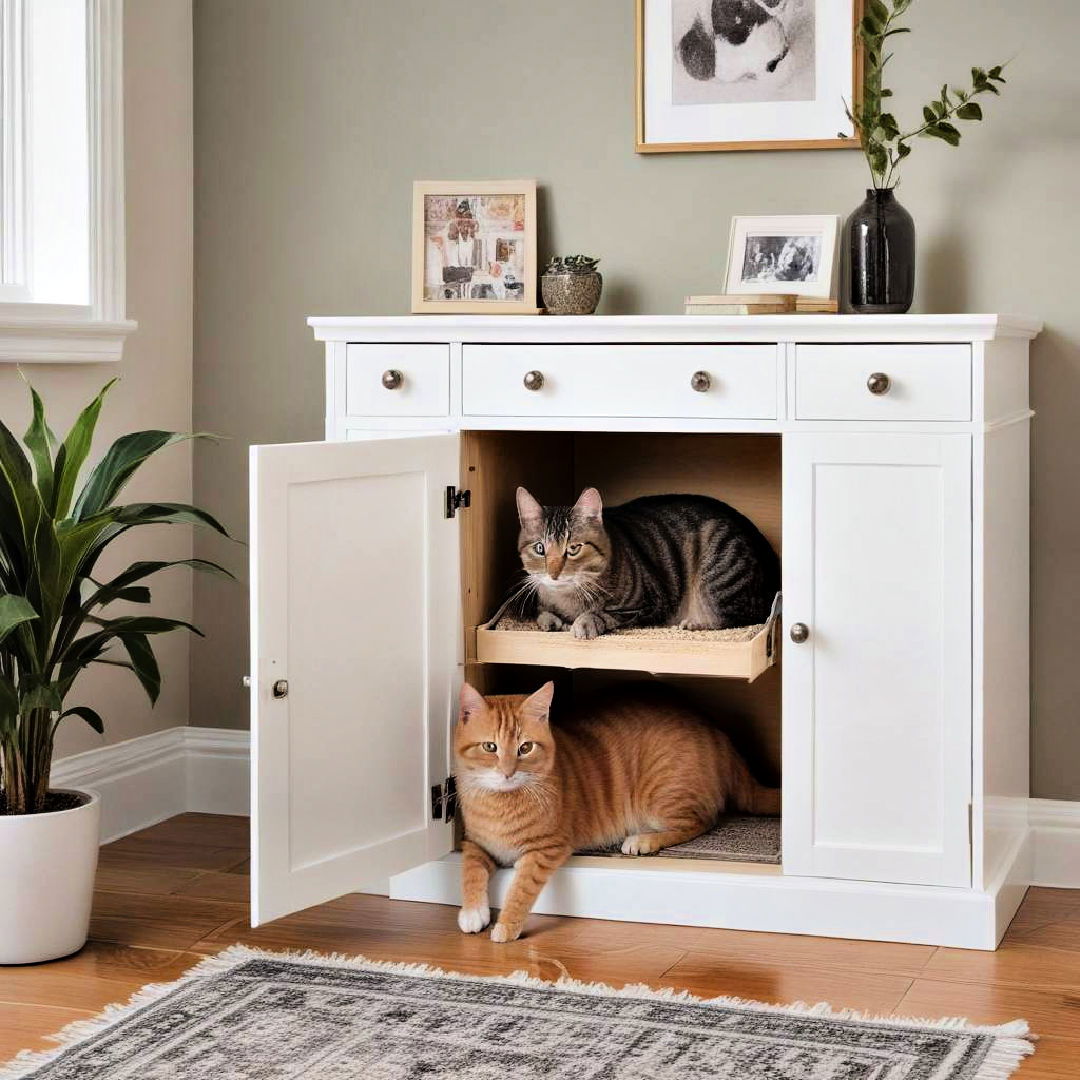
column 789, row 254
column 474, row 247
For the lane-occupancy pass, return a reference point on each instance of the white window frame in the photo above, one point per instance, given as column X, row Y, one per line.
column 14, row 207
column 94, row 332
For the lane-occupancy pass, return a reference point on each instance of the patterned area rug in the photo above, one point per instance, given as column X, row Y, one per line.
column 732, row 839
column 246, row 1014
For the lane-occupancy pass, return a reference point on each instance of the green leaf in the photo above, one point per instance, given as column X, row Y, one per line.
column 166, row 514
column 9, row 702
column 114, row 470
column 42, row 696
column 944, row 131
column 898, row 30
column 72, row 454
column 978, row 75
column 39, row 441
column 879, row 11
column 20, row 504
column 870, row 27
column 970, row 110
column 886, row 93
column 142, row 624
column 143, row 663
column 133, row 594
column 900, row 6
column 903, row 149
column 13, row 611
column 111, row 590
column 88, row 715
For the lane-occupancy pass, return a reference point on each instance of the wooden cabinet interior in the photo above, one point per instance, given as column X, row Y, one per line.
column 743, row 470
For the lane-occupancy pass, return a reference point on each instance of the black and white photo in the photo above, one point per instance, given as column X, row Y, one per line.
column 793, row 254
column 742, row 50
column 746, row 74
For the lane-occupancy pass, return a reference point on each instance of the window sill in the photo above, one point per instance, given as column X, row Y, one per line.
column 48, row 339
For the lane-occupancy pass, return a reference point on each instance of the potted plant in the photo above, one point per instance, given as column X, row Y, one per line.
column 56, row 619
column 571, row 285
column 881, row 233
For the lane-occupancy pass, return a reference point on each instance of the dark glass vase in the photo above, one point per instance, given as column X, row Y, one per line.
column 881, row 256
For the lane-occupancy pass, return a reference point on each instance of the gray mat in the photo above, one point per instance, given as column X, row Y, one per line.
column 732, row 839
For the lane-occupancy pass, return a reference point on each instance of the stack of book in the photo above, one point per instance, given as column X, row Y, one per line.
column 759, row 304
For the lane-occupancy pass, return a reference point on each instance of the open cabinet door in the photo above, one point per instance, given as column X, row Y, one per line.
column 355, row 641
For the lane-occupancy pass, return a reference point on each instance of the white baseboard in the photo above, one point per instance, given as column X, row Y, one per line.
column 1055, row 826
column 154, row 777
column 146, row 780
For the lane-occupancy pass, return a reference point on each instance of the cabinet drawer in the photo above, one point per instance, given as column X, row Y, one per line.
column 423, row 390
column 922, row 382
column 620, row 380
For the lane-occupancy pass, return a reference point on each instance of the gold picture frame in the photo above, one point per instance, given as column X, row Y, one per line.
column 474, row 247
column 644, row 146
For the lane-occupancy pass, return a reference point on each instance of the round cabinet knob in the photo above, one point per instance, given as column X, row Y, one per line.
column 799, row 632
column 878, row 383
column 700, row 381
column 534, row 380
column 392, row 379
column 280, row 688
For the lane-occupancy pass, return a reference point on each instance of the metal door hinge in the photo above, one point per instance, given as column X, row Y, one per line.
column 444, row 800
column 456, row 500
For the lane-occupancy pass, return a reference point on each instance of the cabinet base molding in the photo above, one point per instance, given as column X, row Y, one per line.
column 771, row 902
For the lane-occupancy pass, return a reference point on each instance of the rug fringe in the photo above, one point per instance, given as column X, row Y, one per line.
column 1011, row 1040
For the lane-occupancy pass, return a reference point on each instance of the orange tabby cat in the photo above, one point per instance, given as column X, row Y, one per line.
column 641, row 768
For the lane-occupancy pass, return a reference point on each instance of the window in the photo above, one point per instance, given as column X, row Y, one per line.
column 61, row 181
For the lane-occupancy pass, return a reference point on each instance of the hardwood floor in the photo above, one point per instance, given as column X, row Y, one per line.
column 178, row 891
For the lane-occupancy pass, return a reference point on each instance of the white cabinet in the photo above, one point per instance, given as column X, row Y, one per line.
column 877, row 698
column 366, row 585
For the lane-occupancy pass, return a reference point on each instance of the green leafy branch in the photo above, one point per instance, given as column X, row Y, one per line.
column 883, row 142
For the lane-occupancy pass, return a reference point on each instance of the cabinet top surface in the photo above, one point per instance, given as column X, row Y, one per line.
column 672, row 328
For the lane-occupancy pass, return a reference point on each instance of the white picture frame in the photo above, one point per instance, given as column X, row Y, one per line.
column 783, row 253
column 777, row 75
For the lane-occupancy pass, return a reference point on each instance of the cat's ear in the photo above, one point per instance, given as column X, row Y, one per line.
column 537, row 706
column 530, row 512
column 589, row 505
column 472, row 702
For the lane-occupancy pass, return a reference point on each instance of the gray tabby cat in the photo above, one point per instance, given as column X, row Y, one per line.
column 663, row 560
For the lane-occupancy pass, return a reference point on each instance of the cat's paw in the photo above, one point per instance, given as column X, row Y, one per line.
column 473, row 919
column 640, row 844
column 587, row 626
column 696, row 624
column 502, row 932
column 548, row 620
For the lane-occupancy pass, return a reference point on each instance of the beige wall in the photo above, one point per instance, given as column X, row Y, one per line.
column 155, row 373
column 313, row 119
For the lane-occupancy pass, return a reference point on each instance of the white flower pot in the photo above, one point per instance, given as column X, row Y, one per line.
column 47, row 867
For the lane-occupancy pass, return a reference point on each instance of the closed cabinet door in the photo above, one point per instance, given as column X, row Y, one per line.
column 355, row 626
column 877, row 658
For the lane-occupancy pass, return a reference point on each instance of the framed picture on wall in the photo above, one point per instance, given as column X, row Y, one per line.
column 791, row 254
column 746, row 74
column 474, row 246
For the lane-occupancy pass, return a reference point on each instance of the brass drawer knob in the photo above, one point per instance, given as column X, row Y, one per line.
column 392, row 379
column 700, row 381
column 534, row 380
column 878, row 383
column 799, row 632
